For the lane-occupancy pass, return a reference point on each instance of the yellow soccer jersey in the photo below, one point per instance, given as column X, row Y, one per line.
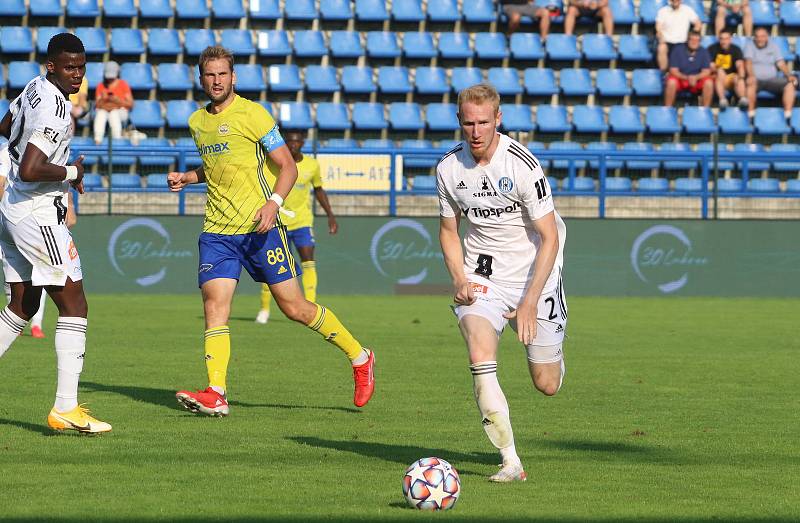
column 234, row 147
column 298, row 200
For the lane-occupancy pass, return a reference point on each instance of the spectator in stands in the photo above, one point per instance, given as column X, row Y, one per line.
column 591, row 8
column 764, row 62
column 516, row 9
column 689, row 70
column 727, row 65
column 740, row 8
column 80, row 103
column 672, row 27
column 113, row 100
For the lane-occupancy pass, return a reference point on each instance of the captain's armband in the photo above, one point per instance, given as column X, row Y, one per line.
column 272, row 140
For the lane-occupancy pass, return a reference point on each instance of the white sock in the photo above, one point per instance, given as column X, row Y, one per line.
column 37, row 318
column 361, row 358
column 218, row 390
column 11, row 326
column 494, row 409
column 70, row 347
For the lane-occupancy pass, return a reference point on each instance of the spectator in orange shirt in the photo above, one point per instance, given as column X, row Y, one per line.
column 113, row 100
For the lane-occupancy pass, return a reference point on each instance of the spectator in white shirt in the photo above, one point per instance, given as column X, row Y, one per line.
column 672, row 28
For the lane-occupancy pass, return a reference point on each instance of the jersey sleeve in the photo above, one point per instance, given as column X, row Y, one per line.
column 264, row 129
column 447, row 206
column 50, row 128
column 534, row 192
column 5, row 161
column 316, row 177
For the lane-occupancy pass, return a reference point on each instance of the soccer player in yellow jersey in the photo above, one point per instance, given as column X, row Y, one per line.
column 300, row 226
column 249, row 171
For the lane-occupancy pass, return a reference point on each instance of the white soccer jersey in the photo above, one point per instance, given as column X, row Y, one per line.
column 500, row 202
column 40, row 116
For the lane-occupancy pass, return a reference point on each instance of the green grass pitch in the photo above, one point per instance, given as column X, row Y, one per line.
column 682, row 409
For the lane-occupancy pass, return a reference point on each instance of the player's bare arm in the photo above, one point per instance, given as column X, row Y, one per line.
column 35, row 168
column 178, row 180
column 454, row 260
column 322, row 198
column 266, row 215
column 5, row 125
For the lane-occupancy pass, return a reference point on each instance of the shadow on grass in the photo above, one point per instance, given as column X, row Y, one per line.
column 452, row 516
column 615, row 450
column 292, row 407
column 42, row 429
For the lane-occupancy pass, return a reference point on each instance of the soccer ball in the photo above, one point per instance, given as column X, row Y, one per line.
column 431, row 484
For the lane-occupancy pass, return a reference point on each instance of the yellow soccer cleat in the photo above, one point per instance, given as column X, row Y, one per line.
column 77, row 419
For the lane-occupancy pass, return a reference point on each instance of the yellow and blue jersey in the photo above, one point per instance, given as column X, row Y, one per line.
column 298, row 200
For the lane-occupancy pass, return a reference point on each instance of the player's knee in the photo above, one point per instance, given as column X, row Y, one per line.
column 548, row 386
column 301, row 311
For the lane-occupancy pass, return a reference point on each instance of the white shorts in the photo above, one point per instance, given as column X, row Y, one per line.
column 43, row 255
column 493, row 300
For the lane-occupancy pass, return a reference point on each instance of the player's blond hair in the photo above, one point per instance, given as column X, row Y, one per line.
column 480, row 94
column 216, row 52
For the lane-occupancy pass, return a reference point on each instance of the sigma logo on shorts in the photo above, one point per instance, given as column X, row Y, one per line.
column 223, row 129
column 505, row 185
column 484, row 188
column 484, row 267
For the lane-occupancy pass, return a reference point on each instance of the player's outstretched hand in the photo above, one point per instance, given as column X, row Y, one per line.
column 526, row 322
column 77, row 183
column 333, row 227
column 265, row 216
column 464, row 294
column 176, row 181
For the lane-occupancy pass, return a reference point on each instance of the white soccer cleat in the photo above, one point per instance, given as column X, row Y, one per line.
column 509, row 473
column 262, row 317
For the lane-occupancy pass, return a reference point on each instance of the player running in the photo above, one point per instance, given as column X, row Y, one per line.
column 38, row 251
column 249, row 171
column 510, row 264
column 300, row 227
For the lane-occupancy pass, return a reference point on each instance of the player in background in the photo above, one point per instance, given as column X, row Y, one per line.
column 249, row 171
column 509, row 268
column 300, row 227
column 38, row 251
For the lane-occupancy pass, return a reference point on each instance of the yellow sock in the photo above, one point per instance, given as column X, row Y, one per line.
column 310, row 280
column 218, row 352
column 326, row 323
column 266, row 297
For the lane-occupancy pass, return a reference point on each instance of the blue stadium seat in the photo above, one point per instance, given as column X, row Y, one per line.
column 599, row 48
column 155, row 9
column 564, row 148
column 139, row 76
column 309, row 44
column 227, row 9
column 443, row 11
column 295, row 115
column 249, row 78
column 581, row 184
column 163, row 42
column 463, row 77
column 82, row 8
column 405, row 116
column 491, row 46
column 195, row 40
column 175, row 77
column 119, row 9
column 92, row 181
column 127, row 42
column 516, row 117
column 623, row 12
column 156, row 181
column 119, row 160
column 146, row 114
column 677, row 165
column 13, row 8
column 645, row 149
column 78, row 146
column 698, row 120
column 662, row 120
column 93, row 38
column 783, row 44
column 540, row 81
column 447, row 145
column 426, row 183
column 301, row 10
column 689, row 185
column 46, row 8
column 526, row 46
column 618, row 184
column 335, row 9
column 576, row 82
column 238, row 41
column 536, row 148
column 795, row 120
column 790, row 14
column 505, row 80
column 332, row 116
column 369, row 116
column 442, row 116
column 418, row 45
column 321, row 79
column 779, row 165
column 151, row 160
column 4, row 104
column 371, row 11
column 407, row 11
column 20, row 73
column 265, row 10
column 431, row 80
column 94, row 74
column 770, row 121
column 43, row 36
column 377, row 143
column 284, row 78
column 709, row 40
column 708, row 147
column 730, row 185
column 394, row 80
column 455, row 46
column 338, row 144
column 382, row 44
column 734, row 121
column 178, row 113
column 793, row 186
column 479, row 11
column 357, row 79
column 653, row 185
column 763, row 13
column 16, row 40
column 562, row 47
column 754, row 150
column 764, row 185
column 612, row 83
column 605, row 147
column 191, row 9
column 589, row 119
column 699, row 8
column 625, row 119
column 647, row 82
column 634, row 48
column 552, row 119
column 126, row 181
column 346, row 44
column 273, row 42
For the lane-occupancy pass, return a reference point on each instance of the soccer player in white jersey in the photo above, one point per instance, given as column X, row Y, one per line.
column 509, row 268
column 38, row 251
